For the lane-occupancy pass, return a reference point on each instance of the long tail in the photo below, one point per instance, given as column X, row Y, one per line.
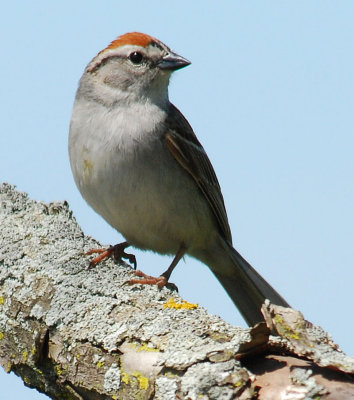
column 243, row 283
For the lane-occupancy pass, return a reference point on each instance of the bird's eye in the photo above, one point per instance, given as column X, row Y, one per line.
column 136, row 57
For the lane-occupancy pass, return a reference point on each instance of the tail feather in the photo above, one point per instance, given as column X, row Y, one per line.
column 246, row 287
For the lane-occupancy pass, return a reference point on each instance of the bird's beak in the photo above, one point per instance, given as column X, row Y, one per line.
column 172, row 61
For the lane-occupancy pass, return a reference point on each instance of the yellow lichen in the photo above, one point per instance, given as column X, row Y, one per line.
column 145, row 347
column 294, row 335
column 8, row 367
column 58, row 370
column 34, row 350
column 171, row 303
column 286, row 330
column 2, row 335
column 140, row 379
column 25, row 355
column 2, row 300
column 26, row 379
column 125, row 378
column 143, row 380
column 100, row 364
column 169, row 374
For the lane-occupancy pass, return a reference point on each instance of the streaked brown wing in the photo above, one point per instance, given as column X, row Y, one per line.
column 187, row 150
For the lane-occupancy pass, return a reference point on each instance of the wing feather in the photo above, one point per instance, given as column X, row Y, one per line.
column 189, row 153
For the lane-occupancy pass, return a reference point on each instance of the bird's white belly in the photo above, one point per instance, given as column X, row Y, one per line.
column 145, row 194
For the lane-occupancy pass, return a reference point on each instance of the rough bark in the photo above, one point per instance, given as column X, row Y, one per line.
column 75, row 332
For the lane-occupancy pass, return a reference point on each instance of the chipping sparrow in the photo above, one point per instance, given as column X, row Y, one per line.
column 138, row 163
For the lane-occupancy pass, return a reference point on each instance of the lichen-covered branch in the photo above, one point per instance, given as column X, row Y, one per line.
column 75, row 332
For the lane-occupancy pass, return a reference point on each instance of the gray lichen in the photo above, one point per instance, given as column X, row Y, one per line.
column 76, row 332
column 102, row 336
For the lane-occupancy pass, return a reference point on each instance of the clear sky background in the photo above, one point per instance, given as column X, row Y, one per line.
column 269, row 94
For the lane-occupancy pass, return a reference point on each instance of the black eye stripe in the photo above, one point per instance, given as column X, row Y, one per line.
column 157, row 45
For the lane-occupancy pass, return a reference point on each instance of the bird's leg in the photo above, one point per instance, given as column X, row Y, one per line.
column 161, row 280
column 117, row 251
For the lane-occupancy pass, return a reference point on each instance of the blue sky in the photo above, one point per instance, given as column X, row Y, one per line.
column 269, row 94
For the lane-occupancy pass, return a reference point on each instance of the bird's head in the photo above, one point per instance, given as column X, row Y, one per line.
column 134, row 66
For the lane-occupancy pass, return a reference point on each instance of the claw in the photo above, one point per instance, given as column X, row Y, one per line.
column 117, row 251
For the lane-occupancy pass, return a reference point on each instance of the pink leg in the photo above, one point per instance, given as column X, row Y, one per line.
column 163, row 278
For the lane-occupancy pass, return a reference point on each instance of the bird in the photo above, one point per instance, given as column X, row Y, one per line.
column 138, row 163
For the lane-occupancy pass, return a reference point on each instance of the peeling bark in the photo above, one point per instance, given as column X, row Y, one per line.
column 75, row 332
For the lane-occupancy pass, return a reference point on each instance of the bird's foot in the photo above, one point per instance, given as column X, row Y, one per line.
column 116, row 251
column 160, row 281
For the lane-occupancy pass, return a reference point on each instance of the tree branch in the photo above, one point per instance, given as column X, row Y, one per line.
column 75, row 332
